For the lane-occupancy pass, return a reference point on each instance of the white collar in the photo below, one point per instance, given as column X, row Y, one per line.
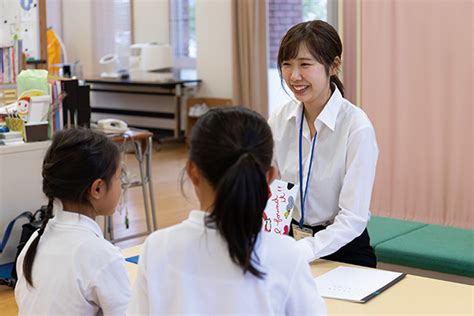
column 63, row 217
column 329, row 113
column 197, row 217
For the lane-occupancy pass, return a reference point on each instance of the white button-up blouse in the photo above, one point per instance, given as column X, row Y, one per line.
column 186, row 269
column 75, row 271
column 342, row 173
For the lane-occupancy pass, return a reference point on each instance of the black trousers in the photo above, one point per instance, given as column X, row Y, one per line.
column 358, row 251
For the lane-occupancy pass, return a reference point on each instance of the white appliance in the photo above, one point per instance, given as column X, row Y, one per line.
column 151, row 61
column 109, row 64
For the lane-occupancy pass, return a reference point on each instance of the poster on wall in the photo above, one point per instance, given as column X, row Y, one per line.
column 20, row 21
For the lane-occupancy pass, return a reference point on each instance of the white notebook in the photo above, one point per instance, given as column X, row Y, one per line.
column 356, row 284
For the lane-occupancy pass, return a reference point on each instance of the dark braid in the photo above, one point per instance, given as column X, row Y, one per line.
column 47, row 216
column 31, row 253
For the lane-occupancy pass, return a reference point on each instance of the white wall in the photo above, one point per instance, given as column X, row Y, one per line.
column 78, row 33
column 214, row 47
column 53, row 16
column 151, row 21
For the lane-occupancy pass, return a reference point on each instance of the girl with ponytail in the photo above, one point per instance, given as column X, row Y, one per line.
column 217, row 261
column 327, row 146
column 67, row 267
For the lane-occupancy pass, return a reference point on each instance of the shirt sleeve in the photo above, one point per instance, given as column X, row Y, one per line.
column 139, row 305
column 354, row 198
column 111, row 288
column 303, row 295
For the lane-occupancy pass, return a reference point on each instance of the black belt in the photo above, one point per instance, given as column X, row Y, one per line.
column 358, row 251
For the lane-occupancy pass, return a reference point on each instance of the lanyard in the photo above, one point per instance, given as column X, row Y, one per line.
column 303, row 197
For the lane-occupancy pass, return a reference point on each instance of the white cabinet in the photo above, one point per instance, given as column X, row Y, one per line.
column 20, row 188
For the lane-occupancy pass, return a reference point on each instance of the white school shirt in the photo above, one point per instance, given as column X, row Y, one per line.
column 186, row 269
column 75, row 271
column 342, row 174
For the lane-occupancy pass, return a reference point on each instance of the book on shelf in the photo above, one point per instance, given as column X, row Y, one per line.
column 56, row 115
column 11, row 135
column 10, row 62
column 7, row 142
column 11, row 138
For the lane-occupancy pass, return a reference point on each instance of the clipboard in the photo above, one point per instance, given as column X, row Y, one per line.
column 356, row 284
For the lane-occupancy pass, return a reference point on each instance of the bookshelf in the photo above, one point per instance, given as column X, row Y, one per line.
column 11, row 61
column 23, row 31
column 24, row 22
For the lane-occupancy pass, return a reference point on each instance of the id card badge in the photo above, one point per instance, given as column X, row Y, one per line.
column 300, row 233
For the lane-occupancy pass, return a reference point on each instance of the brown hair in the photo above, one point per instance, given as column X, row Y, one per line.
column 321, row 40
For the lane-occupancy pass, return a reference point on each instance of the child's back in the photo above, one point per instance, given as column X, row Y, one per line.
column 186, row 269
column 218, row 261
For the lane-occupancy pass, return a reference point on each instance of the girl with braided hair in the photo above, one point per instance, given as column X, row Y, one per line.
column 67, row 267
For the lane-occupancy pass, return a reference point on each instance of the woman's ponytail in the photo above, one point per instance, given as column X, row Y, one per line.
column 233, row 148
column 241, row 196
column 31, row 252
column 335, row 79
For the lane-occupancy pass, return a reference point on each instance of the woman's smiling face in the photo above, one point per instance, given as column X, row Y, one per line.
column 307, row 78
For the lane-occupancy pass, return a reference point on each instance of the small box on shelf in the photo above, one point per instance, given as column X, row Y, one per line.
column 36, row 132
column 193, row 114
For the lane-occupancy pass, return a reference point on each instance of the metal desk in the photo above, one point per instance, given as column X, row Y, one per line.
column 173, row 87
column 142, row 142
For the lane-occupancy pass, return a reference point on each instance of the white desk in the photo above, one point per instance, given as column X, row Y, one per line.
column 20, row 187
column 411, row 296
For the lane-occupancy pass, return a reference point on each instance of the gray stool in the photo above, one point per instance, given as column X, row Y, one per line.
column 143, row 144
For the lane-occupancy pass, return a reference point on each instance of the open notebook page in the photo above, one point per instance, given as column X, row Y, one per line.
column 355, row 284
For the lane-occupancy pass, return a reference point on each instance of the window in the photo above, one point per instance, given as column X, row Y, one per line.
column 183, row 32
column 112, row 22
column 282, row 14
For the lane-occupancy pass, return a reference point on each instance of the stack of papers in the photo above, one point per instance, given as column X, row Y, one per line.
column 11, row 138
column 356, row 284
